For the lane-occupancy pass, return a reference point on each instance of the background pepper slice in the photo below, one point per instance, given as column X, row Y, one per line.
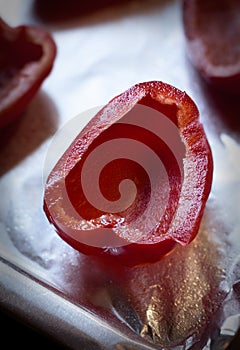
column 212, row 33
column 187, row 196
column 27, row 54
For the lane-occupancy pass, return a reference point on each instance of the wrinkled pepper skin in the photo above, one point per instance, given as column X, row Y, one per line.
column 183, row 215
column 212, row 34
column 27, row 55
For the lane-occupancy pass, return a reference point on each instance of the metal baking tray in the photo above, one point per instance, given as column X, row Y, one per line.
column 188, row 300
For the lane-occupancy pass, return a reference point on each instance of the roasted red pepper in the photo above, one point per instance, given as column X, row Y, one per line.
column 213, row 41
column 151, row 135
column 27, row 54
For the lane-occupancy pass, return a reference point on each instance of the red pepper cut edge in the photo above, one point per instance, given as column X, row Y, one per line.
column 212, row 34
column 26, row 59
column 197, row 178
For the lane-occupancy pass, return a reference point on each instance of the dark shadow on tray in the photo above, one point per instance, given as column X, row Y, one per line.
column 28, row 131
column 59, row 12
column 225, row 105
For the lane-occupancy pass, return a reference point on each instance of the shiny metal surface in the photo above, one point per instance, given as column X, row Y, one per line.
column 181, row 302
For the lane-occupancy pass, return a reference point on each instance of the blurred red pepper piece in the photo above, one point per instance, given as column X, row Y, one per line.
column 27, row 54
column 75, row 218
column 212, row 31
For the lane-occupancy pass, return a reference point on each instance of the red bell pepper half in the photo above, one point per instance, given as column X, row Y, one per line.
column 27, row 54
column 212, row 33
column 170, row 197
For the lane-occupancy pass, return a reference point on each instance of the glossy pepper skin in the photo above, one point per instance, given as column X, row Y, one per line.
column 212, row 34
column 182, row 218
column 27, row 55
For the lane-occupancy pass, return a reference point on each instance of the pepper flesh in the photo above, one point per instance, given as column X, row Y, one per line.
column 212, row 34
column 187, row 201
column 27, row 54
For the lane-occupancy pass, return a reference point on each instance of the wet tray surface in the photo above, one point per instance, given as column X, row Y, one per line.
column 190, row 298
